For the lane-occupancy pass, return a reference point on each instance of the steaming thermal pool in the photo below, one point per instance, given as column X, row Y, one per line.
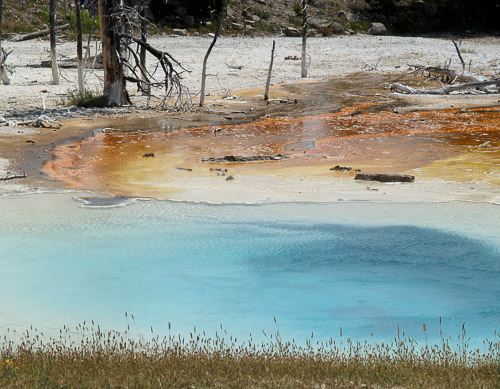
column 365, row 267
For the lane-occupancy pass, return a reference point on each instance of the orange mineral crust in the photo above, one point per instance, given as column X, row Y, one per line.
column 454, row 145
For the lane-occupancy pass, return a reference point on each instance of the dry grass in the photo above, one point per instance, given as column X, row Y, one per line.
column 86, row 357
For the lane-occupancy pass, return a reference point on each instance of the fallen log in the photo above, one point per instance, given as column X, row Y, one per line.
column 251, row 158
column 384, row 177
column 11, row 176
column 37, row 34
column 445, row 89
column 94, row 62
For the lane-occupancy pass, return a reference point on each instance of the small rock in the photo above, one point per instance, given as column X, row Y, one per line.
column 292, row 31
column 31, row 141
column 230, row 178
column 337, row 28
column 317, row 22
column 255, row 18
column 377, row 29
column 180, row 31
column 237, row 26
column 149, row 155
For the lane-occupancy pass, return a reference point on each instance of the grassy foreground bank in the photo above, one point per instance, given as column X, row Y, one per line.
column 86, row 357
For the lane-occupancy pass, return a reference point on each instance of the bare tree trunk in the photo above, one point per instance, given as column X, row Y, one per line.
column 304, row 39
column 268, row 82
column 204, row 71
column 144, row 37
column 79, row 47
column 1, row 17
column 53, row 54
column 4, row 77
column 114, row 81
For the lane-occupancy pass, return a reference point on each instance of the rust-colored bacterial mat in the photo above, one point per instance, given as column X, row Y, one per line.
column 453, row 145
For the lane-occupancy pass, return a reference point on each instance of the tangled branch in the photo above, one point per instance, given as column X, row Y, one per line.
column 132, row 33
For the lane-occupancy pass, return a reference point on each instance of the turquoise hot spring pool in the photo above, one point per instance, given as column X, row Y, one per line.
column 365, row 267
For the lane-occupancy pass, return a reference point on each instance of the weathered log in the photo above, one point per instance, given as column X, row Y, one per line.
column 444, row 90
column 11, row 176
column 72, row 63
column 37, row 34
column 385, row 177
column 251, row 158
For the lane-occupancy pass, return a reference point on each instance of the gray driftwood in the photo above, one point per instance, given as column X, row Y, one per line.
column 37, row 34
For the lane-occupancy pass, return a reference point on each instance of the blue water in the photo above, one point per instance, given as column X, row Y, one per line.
column 364, row 267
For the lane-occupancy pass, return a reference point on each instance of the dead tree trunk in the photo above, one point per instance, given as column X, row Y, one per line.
column 204, row 71
column 53, row 53
column 268, row 82
column 4, row 77
column 1, row 17
column 144, row 37
column 79, row 47
column 304, row 39
column 114, row 80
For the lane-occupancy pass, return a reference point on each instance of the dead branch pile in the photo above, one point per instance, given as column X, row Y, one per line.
column 43, row 121
column 472, row 83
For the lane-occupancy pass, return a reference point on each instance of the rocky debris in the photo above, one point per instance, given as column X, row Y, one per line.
column 339, row 168
column 292, row 31
column 149, row 155
column 220, row 172
column 255, row 18
column 184, row 169
column 337, row 28
column 385, row 177
column 250, row 158
column 291, row 58
column 377, row 29
column 180, row 31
